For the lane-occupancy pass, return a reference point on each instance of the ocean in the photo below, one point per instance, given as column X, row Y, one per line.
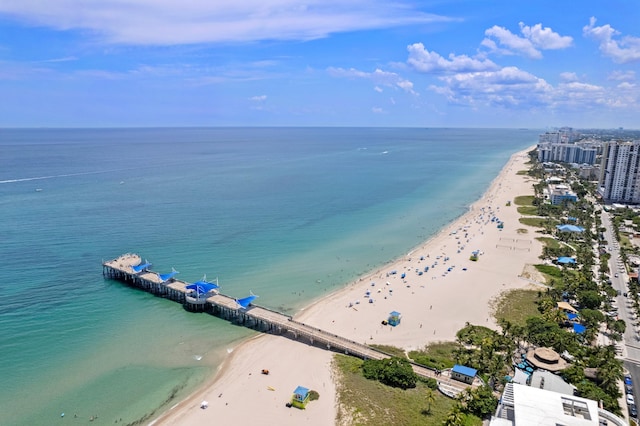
column 290, row 214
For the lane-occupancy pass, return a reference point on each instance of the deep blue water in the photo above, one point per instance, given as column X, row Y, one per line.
column 288, row 213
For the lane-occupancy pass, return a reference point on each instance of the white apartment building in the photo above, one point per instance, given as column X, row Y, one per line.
column 620, row 170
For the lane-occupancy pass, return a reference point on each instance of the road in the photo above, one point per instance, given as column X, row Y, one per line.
column 626, row 312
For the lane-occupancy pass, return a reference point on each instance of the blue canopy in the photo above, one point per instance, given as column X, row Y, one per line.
column 167, row 277
column 244, row 302
column 203, row 286
column 579, row 328
column 569, row 228
column 141, row 267
column 566, row 260
column 571, row 316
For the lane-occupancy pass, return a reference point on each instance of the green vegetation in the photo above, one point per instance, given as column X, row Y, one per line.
column 536, row 222
column 522, row 231
column 552, row 243
column 391, row 350
column 522, row 172
column 395, row 372
column 516, row 306
column 436, row 355
column 528, row 210
column 367, row 402
column 313, row 395
column 549, row 271
column 524, row 200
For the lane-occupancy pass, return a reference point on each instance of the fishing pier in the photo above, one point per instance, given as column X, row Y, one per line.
column 129, row 269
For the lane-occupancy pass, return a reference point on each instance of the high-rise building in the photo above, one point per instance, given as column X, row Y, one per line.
column 620, row 172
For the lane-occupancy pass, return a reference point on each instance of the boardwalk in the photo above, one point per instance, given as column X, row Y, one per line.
column 254, row 316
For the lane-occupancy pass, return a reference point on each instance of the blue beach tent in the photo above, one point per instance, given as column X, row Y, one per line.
column 564, row 260
column 569, row 228
column 579, row 328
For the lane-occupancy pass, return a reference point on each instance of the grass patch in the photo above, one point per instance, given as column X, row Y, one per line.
column 524, row 200
column 550, row 270
column 533, row 221
column 368, row 402
column 552, row 243
column 522, row 172
column 522, row 231
column 391, row 350
column 528, row 210
column 436, row 355
column 516, row 306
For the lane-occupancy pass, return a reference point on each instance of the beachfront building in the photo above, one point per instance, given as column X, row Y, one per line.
column 528, row 406
column 300, row 397
column 620, row 172
column 561, row 193
column 463, row 374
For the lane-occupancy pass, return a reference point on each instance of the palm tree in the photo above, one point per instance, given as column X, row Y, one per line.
column 455, row 417
column 430, row 398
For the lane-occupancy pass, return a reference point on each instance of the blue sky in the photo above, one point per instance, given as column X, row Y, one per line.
column 467, row 63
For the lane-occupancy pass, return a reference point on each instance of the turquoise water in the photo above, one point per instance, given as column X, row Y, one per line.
column 288, row 213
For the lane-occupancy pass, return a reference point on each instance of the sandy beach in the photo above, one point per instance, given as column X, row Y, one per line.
column 440, row 291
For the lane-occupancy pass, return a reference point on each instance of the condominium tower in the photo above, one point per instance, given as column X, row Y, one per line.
column 620, row 172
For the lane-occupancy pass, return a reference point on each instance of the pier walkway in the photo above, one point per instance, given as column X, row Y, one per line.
column 254, row 316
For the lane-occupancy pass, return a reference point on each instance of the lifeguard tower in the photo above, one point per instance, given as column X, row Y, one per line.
column 300, row 397
column 394, row 318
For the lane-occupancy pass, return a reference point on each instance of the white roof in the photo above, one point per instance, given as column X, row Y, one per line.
column 534, row 407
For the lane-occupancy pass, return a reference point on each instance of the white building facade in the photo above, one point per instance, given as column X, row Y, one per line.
column 620, row 172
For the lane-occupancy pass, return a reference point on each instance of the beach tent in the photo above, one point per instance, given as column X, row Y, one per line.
column 300, row 397
column 571, row 316
column 141, row 267
column 246, row 301
column 564, row 260
column 566, row 307
column 166, row 277
column 579, row 328
column 569, row 228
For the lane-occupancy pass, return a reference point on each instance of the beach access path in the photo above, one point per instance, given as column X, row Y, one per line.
column 434, row 306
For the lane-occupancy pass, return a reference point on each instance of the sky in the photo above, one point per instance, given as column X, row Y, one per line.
column 407, row 63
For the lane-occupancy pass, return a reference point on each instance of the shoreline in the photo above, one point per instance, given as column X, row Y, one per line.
column 420, row 297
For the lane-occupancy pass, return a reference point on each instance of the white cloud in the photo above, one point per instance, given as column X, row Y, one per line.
column 533, row 40
column 545, row 38
column 568, row 76
column 167, row 22
column 622, row 76
column 377, row 110
column 377, row 89
column 515, row 89
column 260, row 98
column 378, row 77
column 424, row 61
column 623, row 51
column 508, row 86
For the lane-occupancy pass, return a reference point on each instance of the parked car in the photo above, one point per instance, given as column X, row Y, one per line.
column 627, row 380
column 628, row 389
column 630, row 400
column 633, row 411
